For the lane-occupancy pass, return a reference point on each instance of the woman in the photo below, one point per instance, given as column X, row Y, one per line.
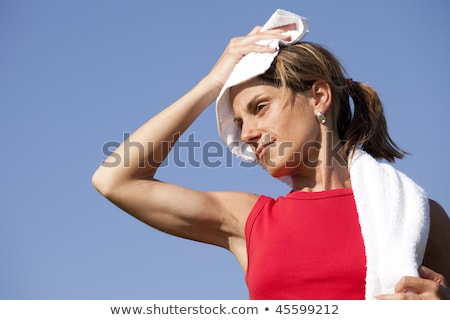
column 292, row 118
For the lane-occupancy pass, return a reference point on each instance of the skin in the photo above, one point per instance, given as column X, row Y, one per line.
column 219, row 218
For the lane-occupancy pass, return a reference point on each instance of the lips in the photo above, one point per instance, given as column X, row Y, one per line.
column 262, row 149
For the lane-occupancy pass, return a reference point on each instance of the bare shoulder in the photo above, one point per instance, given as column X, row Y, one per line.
column 236, row 204
column 439, row 217
column 437, row 255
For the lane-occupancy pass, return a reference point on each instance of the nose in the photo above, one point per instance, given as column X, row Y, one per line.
column 250, row 133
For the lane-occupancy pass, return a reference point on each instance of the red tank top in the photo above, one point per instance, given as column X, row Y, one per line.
column 305, row 246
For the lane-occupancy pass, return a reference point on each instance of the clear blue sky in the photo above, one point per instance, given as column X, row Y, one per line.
column 76, row 75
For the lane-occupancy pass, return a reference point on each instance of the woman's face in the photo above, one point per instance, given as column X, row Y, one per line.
column 284, row 133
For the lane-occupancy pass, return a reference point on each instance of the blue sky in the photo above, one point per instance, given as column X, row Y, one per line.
column 78, row 75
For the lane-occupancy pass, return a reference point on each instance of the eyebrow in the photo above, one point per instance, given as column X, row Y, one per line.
column 249, row 106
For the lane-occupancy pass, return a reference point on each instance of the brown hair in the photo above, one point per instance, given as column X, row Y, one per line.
column 298, row 66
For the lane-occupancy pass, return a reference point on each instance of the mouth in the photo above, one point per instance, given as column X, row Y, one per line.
column 261, row 150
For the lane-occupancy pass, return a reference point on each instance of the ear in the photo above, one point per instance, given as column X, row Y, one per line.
column 321, row 94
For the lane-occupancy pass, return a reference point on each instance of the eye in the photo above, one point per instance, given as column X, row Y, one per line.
column 261, row 107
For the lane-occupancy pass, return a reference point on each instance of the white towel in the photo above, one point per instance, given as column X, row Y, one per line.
column 393, row 210
column 394, row 217
column 250, row 66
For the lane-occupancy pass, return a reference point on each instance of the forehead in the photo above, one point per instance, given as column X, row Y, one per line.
column 244, row 93
column 249, row 84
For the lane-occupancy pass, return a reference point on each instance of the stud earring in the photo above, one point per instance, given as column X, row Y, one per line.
column 321, row 117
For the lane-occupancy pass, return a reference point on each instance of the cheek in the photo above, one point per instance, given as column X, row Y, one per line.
column 297, row 135
column 296, row 124
column 295, row 144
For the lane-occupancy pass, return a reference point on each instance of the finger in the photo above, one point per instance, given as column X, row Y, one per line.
column 428, row 289
column 399, row 296
column 414, row 284
column 287, row 27
column 240, row 46
column 255, row 30
column 427, row 273
column 272, row 34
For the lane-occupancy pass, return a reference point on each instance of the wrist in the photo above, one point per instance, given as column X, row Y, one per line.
column 212, row 84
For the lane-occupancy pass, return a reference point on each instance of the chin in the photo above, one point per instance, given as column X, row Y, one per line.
column 280, row 168
column 276, row 171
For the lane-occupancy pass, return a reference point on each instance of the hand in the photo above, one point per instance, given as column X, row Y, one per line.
column 240, row 46
column 430, row 286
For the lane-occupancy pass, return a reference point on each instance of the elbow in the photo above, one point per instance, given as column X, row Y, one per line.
column 110, row 182
column 102, row 182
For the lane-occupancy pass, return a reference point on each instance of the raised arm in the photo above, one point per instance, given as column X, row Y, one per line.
column 216, row 217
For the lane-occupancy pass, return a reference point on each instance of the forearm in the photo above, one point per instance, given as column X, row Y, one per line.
column 149, row 145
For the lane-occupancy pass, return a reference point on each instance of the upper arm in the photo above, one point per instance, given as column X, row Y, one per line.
column 210, row 217
column 437, row 254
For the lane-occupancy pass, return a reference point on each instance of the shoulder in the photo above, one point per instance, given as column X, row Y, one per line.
column 238, row 204
column 437, row 256
column 436, row 208
column 440, row 221
column 232, row 207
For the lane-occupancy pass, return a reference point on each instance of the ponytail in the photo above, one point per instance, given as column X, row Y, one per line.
column 367, row 127
column 297, row 67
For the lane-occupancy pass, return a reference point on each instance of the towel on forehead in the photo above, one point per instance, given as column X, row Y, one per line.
column 250, row 66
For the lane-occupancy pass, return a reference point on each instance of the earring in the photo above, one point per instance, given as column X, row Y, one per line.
column 321, row 117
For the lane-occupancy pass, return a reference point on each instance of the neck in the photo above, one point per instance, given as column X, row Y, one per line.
column 328, row 171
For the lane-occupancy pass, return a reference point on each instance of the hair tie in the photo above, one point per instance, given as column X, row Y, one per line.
column 349, row 82
column 350, row 88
